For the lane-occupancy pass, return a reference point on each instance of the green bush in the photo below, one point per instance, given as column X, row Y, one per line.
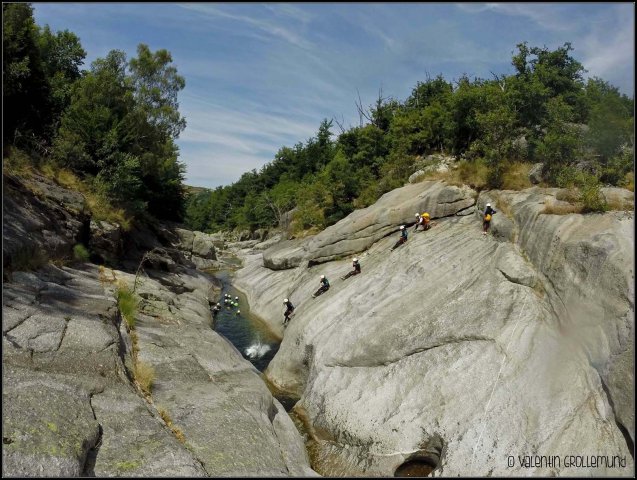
column 80, row 253
column 127, row 303
column 591, row 195
column 615, row 171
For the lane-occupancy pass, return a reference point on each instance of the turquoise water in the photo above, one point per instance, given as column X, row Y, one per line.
column 246, row 332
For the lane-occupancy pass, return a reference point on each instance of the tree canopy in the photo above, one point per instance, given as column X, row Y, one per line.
column 543, row 112
column 114, row 125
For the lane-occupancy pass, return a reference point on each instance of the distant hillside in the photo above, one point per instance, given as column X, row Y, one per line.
column 195, row 190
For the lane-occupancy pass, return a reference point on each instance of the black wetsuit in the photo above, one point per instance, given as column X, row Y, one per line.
column 486, row 223
column 356, row 271
column 288, row 311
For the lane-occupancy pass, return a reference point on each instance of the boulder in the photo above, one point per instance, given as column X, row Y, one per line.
column 105, row 240
column 436, row 162
column 416, row 176
column 202, row 246
column 535, row 174
column 186, row 239
column 286, row 254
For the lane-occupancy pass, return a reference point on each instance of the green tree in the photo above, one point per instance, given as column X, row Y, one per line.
column 499, row 130
column 562, row 142
column 62, row 56
column 98, row 122
column 25, row 90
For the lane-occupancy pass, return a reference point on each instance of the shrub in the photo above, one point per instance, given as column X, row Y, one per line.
column 80, row 253
column 615, row 170
column 16, row 162
column 127, row 303
column 516, row 176
column 551, row 208
column 629, row 181
column 591, row 196
column 467, row 172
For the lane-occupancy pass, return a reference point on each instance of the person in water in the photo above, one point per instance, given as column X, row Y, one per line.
column 402, row 239
column 289, row 310
column 325, row 286
column 356, row 271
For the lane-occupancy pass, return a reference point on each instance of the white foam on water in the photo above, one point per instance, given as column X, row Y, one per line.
column 257, row 350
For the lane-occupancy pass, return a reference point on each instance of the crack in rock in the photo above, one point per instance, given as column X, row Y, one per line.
column 414, row 352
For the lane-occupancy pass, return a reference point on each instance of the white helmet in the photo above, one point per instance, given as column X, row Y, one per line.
column 285, row 300
column 418, row 214
column 218, row 304
column 236, row 298
column 322, row 277
column 238, row 312
column 402, row 227
column 355, row 260
column 488, row 204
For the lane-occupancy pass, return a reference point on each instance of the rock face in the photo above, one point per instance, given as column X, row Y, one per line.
column 106, row 241
column 368, row 225
column 198, row 247
column 39, row 227
column 229, row 419
column 72, row 405
column 286, row 254
column 66, row 395
column 457, row 350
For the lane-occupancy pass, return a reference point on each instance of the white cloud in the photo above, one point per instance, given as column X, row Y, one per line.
column 286, row 9
column 268, row 27
column 545, row 15
column 609, row 51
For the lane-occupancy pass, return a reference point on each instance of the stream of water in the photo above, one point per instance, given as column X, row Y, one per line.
column 249, row 334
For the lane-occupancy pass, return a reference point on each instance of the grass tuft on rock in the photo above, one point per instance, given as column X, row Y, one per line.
column 127, row 302
column 80, row 253
column 144, row 376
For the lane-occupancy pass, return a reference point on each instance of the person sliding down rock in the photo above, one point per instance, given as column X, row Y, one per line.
column 423, row 220
column 488, row 214
column 325, row 286
column 216, row 309
column 289, row 310
column 356, row 271
column 402, row 239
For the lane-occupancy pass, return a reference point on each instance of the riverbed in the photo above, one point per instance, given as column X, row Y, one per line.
column 250, row 335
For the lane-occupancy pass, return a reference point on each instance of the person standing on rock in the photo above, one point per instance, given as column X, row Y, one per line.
column 325, row 286
column 402, row 239
column 488, row 214
column 356, row 271
column 289, row 310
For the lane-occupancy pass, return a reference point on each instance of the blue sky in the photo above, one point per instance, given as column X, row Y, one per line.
column 263, row 75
